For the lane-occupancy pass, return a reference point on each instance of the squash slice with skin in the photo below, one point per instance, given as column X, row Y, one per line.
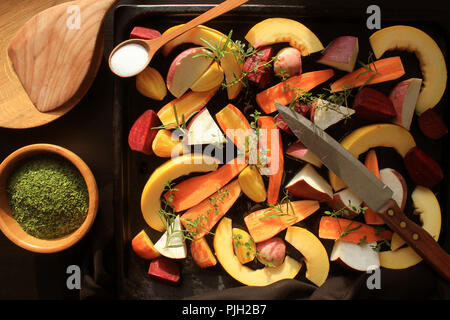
column 223, row 246
column 427, row 205
column 315, row 254
column 276, row 30
column 169, row 171
column 431, row 59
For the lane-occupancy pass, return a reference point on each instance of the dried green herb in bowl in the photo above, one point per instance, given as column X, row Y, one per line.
column 47, row 196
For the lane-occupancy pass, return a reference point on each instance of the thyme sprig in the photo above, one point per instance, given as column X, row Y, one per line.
column 345, row 212
column 180, row 126
column 368, row 69
column 278, row 209
column 240, row 51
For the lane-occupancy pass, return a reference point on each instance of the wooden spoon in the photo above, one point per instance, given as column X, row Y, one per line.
column 145, row 49
column 52, row 53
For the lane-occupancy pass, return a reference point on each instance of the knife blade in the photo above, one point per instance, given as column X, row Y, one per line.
column 365, row 185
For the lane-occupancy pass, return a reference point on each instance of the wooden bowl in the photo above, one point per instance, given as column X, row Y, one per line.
column 9, row 225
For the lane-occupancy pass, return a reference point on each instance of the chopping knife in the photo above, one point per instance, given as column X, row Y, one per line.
column 367, row 187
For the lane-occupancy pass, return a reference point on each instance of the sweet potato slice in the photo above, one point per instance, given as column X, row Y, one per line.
column 266, row 223
column 200, row 219
column 192, row 191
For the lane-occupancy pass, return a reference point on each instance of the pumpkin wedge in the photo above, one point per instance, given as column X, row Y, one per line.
column 169, row 171
column 223, row 246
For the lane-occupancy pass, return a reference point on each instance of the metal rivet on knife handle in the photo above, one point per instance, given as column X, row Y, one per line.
column 403, row 224
column 415, row 236
column 390, row 212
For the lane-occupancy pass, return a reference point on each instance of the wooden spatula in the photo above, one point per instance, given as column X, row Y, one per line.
column 52, row 53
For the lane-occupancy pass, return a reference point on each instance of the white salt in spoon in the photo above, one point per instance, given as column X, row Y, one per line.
column 132, row 56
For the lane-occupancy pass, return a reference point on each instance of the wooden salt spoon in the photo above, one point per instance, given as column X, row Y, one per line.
column 52, row 52
column 131, row 62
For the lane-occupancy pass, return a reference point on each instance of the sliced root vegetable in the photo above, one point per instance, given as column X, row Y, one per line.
column 395, row 181
column 202, row 129
column 172, row 244
column 143, row 246
column 258, row 67
column 192, row 191
column 150, row 83
column 223, row 246
column 431, row 59
column 313, row 251
column 308, row 184
column 373, row 105
column 200, row 219
column 167, row 144
column 186, row 105
column 187, row 68
column 210, row 79
column 351, row 231
column 371, row 162
column 229, row 62
column 252, row 184
column 202, row 254
column 422, row 168
column 275, row 30
column 296, row 86
column 404, row 98
column 164, row 270
column 359, row 257
column 325, row 114
column 233, row 122
column 169, row 171
column 270, row 146
column 144, row 33
column 271, row 252
column 266, row 223
column 427, row 206
column 380, row 71
column 346, row 201
column 432, row 125
column 288, row 62
column 341, row 53
column 299, row 151
column 142, row 134
column 244, row 246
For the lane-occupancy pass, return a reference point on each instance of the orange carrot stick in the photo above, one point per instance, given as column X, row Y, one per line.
column 233, row 122
column 266, row 223
column 351, row 231
column 380, row 71
column 371, row 162
column 269, row 130
column 285, row 91
column 192, row 191
column 200, row 219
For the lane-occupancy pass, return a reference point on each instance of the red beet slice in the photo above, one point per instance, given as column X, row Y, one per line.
column 144, row 33
column 373, row 105
column 261, row 75
column 432, row 125
column 299, row 107
column 422, row 168
column 164, row 270
column 141, row 135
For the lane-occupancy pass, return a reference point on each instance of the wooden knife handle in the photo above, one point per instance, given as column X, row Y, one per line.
column 419, row 239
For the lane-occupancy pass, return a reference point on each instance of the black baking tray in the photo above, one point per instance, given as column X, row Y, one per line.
column 132, row 169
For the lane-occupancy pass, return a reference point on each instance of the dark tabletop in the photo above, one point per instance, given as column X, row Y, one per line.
column 87, row 131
